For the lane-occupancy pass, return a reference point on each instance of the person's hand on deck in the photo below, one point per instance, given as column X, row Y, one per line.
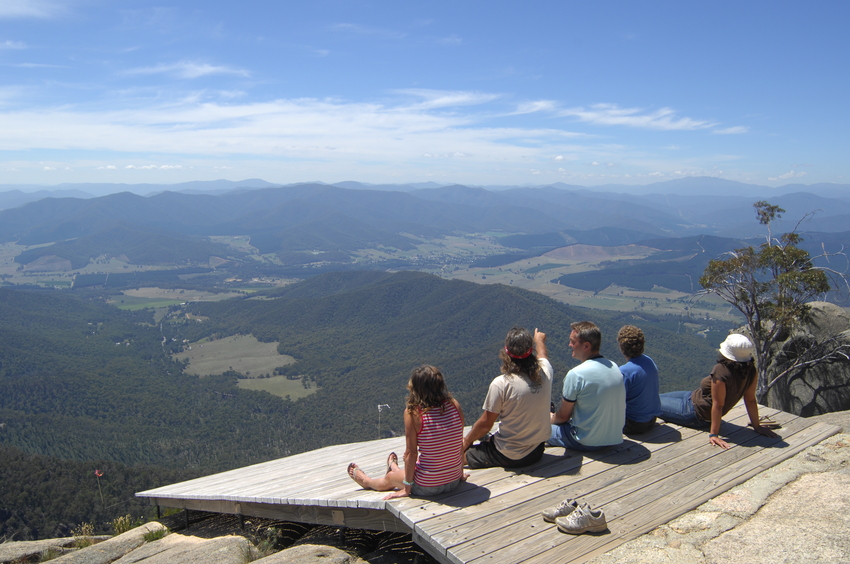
column 717, row 441
column 403, row 492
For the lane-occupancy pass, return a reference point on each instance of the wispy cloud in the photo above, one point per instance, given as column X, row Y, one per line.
column 31, row 8
column 738, row 129
column 9, row 44
column 612, row 114
column 186, row 69
column 536, row 106
column 445, row 99
column 450, row 40
column 38, row 66
column 787, row 175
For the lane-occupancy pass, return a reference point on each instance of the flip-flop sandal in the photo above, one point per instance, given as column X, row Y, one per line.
column 766, row 422
column 352, row 473
column 391, row 459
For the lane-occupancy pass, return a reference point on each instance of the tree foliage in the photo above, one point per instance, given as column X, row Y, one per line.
column 772, row 286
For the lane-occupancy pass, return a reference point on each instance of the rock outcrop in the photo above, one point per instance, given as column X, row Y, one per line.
column 821, row 388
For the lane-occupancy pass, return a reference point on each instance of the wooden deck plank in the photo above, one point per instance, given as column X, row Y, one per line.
column 555, row 464
column 713, row 462
column 641, row 519
column 496, row 518
column 593, row 465
column 523, row 519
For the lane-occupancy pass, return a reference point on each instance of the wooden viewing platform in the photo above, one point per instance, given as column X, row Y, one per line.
column 645, row 482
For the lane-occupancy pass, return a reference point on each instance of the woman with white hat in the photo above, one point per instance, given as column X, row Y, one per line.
column 732, row 378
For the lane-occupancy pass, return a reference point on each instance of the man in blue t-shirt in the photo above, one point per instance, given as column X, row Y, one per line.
column 640, row 377
column 593, row 402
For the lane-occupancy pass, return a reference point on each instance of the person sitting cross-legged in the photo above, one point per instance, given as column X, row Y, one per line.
column 519, row 398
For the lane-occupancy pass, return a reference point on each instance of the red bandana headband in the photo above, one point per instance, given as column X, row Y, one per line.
column 519, row 356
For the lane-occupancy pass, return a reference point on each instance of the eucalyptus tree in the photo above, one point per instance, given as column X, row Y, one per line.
column 773, row 286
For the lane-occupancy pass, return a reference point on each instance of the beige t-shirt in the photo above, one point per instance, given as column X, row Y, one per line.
column 523, row 411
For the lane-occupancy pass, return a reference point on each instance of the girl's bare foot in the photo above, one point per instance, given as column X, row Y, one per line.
column 353, row 469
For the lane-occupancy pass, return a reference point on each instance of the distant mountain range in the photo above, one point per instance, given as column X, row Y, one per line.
column 173, row 227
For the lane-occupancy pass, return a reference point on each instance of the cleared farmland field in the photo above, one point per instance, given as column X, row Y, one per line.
column 242, row 353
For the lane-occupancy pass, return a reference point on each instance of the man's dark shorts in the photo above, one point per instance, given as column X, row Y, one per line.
column 636, row 428
column 484, row 454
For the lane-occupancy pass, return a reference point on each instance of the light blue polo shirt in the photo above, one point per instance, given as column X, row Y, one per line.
column 596, row 387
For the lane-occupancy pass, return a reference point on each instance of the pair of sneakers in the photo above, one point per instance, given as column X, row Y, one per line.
column 575, row 519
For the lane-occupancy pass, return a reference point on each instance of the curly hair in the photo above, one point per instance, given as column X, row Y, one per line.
column 631, row 341
column 518, row 343
column 427, row 388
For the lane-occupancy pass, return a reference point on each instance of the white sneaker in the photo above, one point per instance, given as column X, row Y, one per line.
column 583, row 520
column 561, row 510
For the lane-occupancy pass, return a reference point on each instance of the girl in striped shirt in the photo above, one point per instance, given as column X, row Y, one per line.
column 433, row 427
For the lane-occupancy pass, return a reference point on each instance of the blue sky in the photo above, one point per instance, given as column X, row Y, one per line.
column 471, row 92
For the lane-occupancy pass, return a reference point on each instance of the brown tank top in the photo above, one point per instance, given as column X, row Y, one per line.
column 736, row 375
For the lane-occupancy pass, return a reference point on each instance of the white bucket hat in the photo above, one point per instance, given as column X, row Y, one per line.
column 737, row 347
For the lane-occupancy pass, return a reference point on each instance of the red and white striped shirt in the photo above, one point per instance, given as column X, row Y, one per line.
column 440, row 444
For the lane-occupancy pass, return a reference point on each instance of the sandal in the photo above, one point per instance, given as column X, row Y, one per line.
column 352, row 473
column 766, row 422
column 391, row 459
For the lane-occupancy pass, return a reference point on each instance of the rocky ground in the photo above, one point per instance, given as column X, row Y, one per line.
column 797, row 511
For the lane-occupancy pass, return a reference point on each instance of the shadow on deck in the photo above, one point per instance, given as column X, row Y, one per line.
column 645, row 482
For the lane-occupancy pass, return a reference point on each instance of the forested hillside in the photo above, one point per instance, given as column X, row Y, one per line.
column 44, row 497
column 358, row 335
column 82, row 381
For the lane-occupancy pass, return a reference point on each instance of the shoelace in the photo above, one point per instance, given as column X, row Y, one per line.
column 566, row 503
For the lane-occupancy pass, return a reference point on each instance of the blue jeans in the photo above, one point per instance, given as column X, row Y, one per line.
column 563, row 436
column 677, row 408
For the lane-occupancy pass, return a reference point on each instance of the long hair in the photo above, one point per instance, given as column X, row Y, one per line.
column 745, row 370
column 518, row 343
column 427, row 388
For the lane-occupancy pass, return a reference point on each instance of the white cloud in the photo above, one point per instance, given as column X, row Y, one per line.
column 611, row 114
column 107, row 167
column 49, row 168
column 9, row 44
column 30, row 9
column 537, row 106
column 186, row 69
column 787, row 175
column 738, row 129
column 455, row 132
column 446, row 99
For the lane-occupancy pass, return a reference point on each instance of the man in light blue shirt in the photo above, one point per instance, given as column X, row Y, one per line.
column 593, row 402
